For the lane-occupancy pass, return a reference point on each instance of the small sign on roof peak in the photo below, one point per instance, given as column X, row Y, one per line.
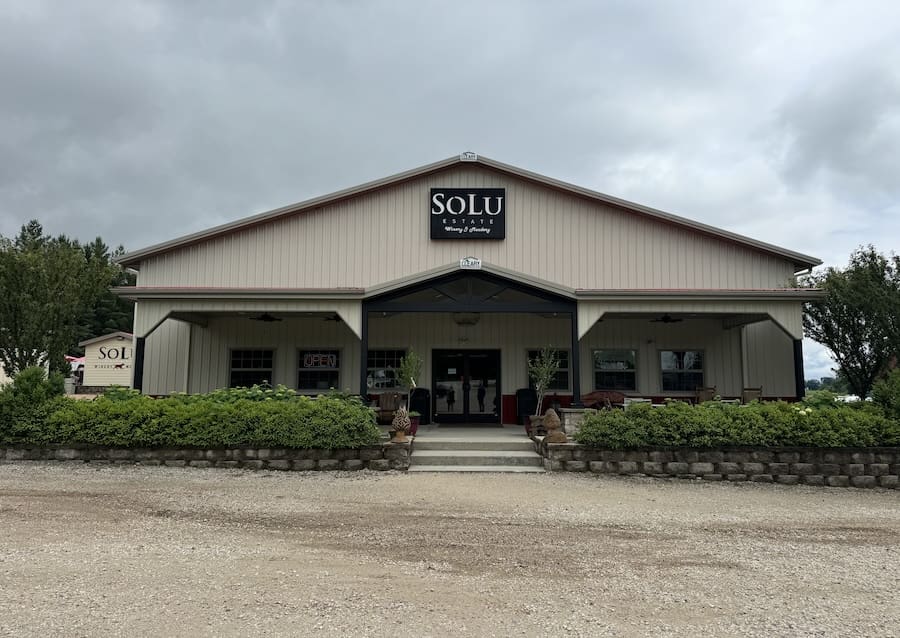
column 470, row 263
column 468, row 156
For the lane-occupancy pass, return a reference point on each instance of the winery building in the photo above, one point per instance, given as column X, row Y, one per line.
column 476, row 265
column 108, row 360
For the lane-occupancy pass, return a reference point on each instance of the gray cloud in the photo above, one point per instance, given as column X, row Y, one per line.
column 844, row 132
column 140, row 120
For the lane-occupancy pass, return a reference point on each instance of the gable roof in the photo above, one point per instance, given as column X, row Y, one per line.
column 800, row 261
column 112, row 335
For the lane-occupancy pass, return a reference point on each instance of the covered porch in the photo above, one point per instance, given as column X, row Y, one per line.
column 669, row 349
column 475, row 335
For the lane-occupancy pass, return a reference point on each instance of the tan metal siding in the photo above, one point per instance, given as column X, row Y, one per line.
column 510, row 333
column 383, row 236
column 211, row 345
column 769, row 357
column 722, row 348
column 165, row 358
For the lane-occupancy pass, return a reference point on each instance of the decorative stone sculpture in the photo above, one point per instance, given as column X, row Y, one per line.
column 400, row 425
column 553, row 426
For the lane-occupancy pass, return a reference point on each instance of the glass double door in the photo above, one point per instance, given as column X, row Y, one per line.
column 466, row 386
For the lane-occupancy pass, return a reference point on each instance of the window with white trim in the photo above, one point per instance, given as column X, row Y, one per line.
column 381, row 369
column 682, row 370
column 561, row 377
column 319, row 369
column 250, row 367
column 615, row 369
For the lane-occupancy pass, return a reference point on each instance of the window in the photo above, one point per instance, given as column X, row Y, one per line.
column 561, row 378
column 381, row 369
column 250, row 367
column 319, row 369
column 682, row 370
column 615, row 370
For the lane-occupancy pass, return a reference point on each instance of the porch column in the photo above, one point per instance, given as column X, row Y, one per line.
column 575, row 363
column 799, row 380
column 364, row 352
column 138, row 381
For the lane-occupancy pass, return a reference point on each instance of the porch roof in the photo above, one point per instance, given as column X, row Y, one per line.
column 139, row 293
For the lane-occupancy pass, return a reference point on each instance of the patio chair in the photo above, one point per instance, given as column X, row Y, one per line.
column 388, row 403
column 705, row 394
column 750, row 394
column 603, row 399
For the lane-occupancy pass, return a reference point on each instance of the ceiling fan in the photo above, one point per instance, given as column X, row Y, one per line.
column 266, row 318
column 666, row 318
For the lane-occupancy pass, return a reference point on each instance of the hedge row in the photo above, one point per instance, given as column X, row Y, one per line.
column 258, row 417
column 33, row 413
column 759, row 424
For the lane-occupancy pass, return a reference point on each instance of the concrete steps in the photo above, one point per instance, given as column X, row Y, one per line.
column 502, row 445
column 474, row 451
column 507, row 469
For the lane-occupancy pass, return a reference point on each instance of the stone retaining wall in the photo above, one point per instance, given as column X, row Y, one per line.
column 389, row 456
column 836, row 467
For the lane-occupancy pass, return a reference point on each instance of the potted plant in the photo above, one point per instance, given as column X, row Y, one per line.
column 541, row 371
column 408, row 372
column 414, row 422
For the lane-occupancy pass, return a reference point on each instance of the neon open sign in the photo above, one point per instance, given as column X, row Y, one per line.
column 319, row 360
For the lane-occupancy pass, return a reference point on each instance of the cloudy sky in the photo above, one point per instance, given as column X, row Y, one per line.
column 140, row 121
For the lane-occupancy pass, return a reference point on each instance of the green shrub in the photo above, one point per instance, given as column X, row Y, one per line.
column 759, row 424
column 27, row 402
column 120, row 393
column 886, row 394
column 821, row 399
column 264, row 417
column 263, row 392
column 33, row 384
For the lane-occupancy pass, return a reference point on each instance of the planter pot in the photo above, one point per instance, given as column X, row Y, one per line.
column 535, row 426
column 414, row 425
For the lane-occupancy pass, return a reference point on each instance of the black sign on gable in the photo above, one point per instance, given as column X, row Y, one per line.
column 468, row 213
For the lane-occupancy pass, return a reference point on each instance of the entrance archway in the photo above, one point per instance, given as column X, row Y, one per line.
column 465, row 295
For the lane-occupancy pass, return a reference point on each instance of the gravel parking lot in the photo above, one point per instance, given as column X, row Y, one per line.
column 126, row 550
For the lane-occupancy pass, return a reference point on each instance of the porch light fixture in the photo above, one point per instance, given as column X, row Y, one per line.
column 466, row 318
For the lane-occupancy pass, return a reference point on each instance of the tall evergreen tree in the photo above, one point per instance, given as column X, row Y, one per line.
column 110, row 313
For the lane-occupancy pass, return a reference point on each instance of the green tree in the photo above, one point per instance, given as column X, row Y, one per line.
column 408, row 372
column 858, row 320
column 837, row 384
column 541, row 371
column 110, row 313
column 48, row 285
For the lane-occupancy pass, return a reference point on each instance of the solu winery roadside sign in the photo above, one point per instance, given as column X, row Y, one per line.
column 468, row 213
